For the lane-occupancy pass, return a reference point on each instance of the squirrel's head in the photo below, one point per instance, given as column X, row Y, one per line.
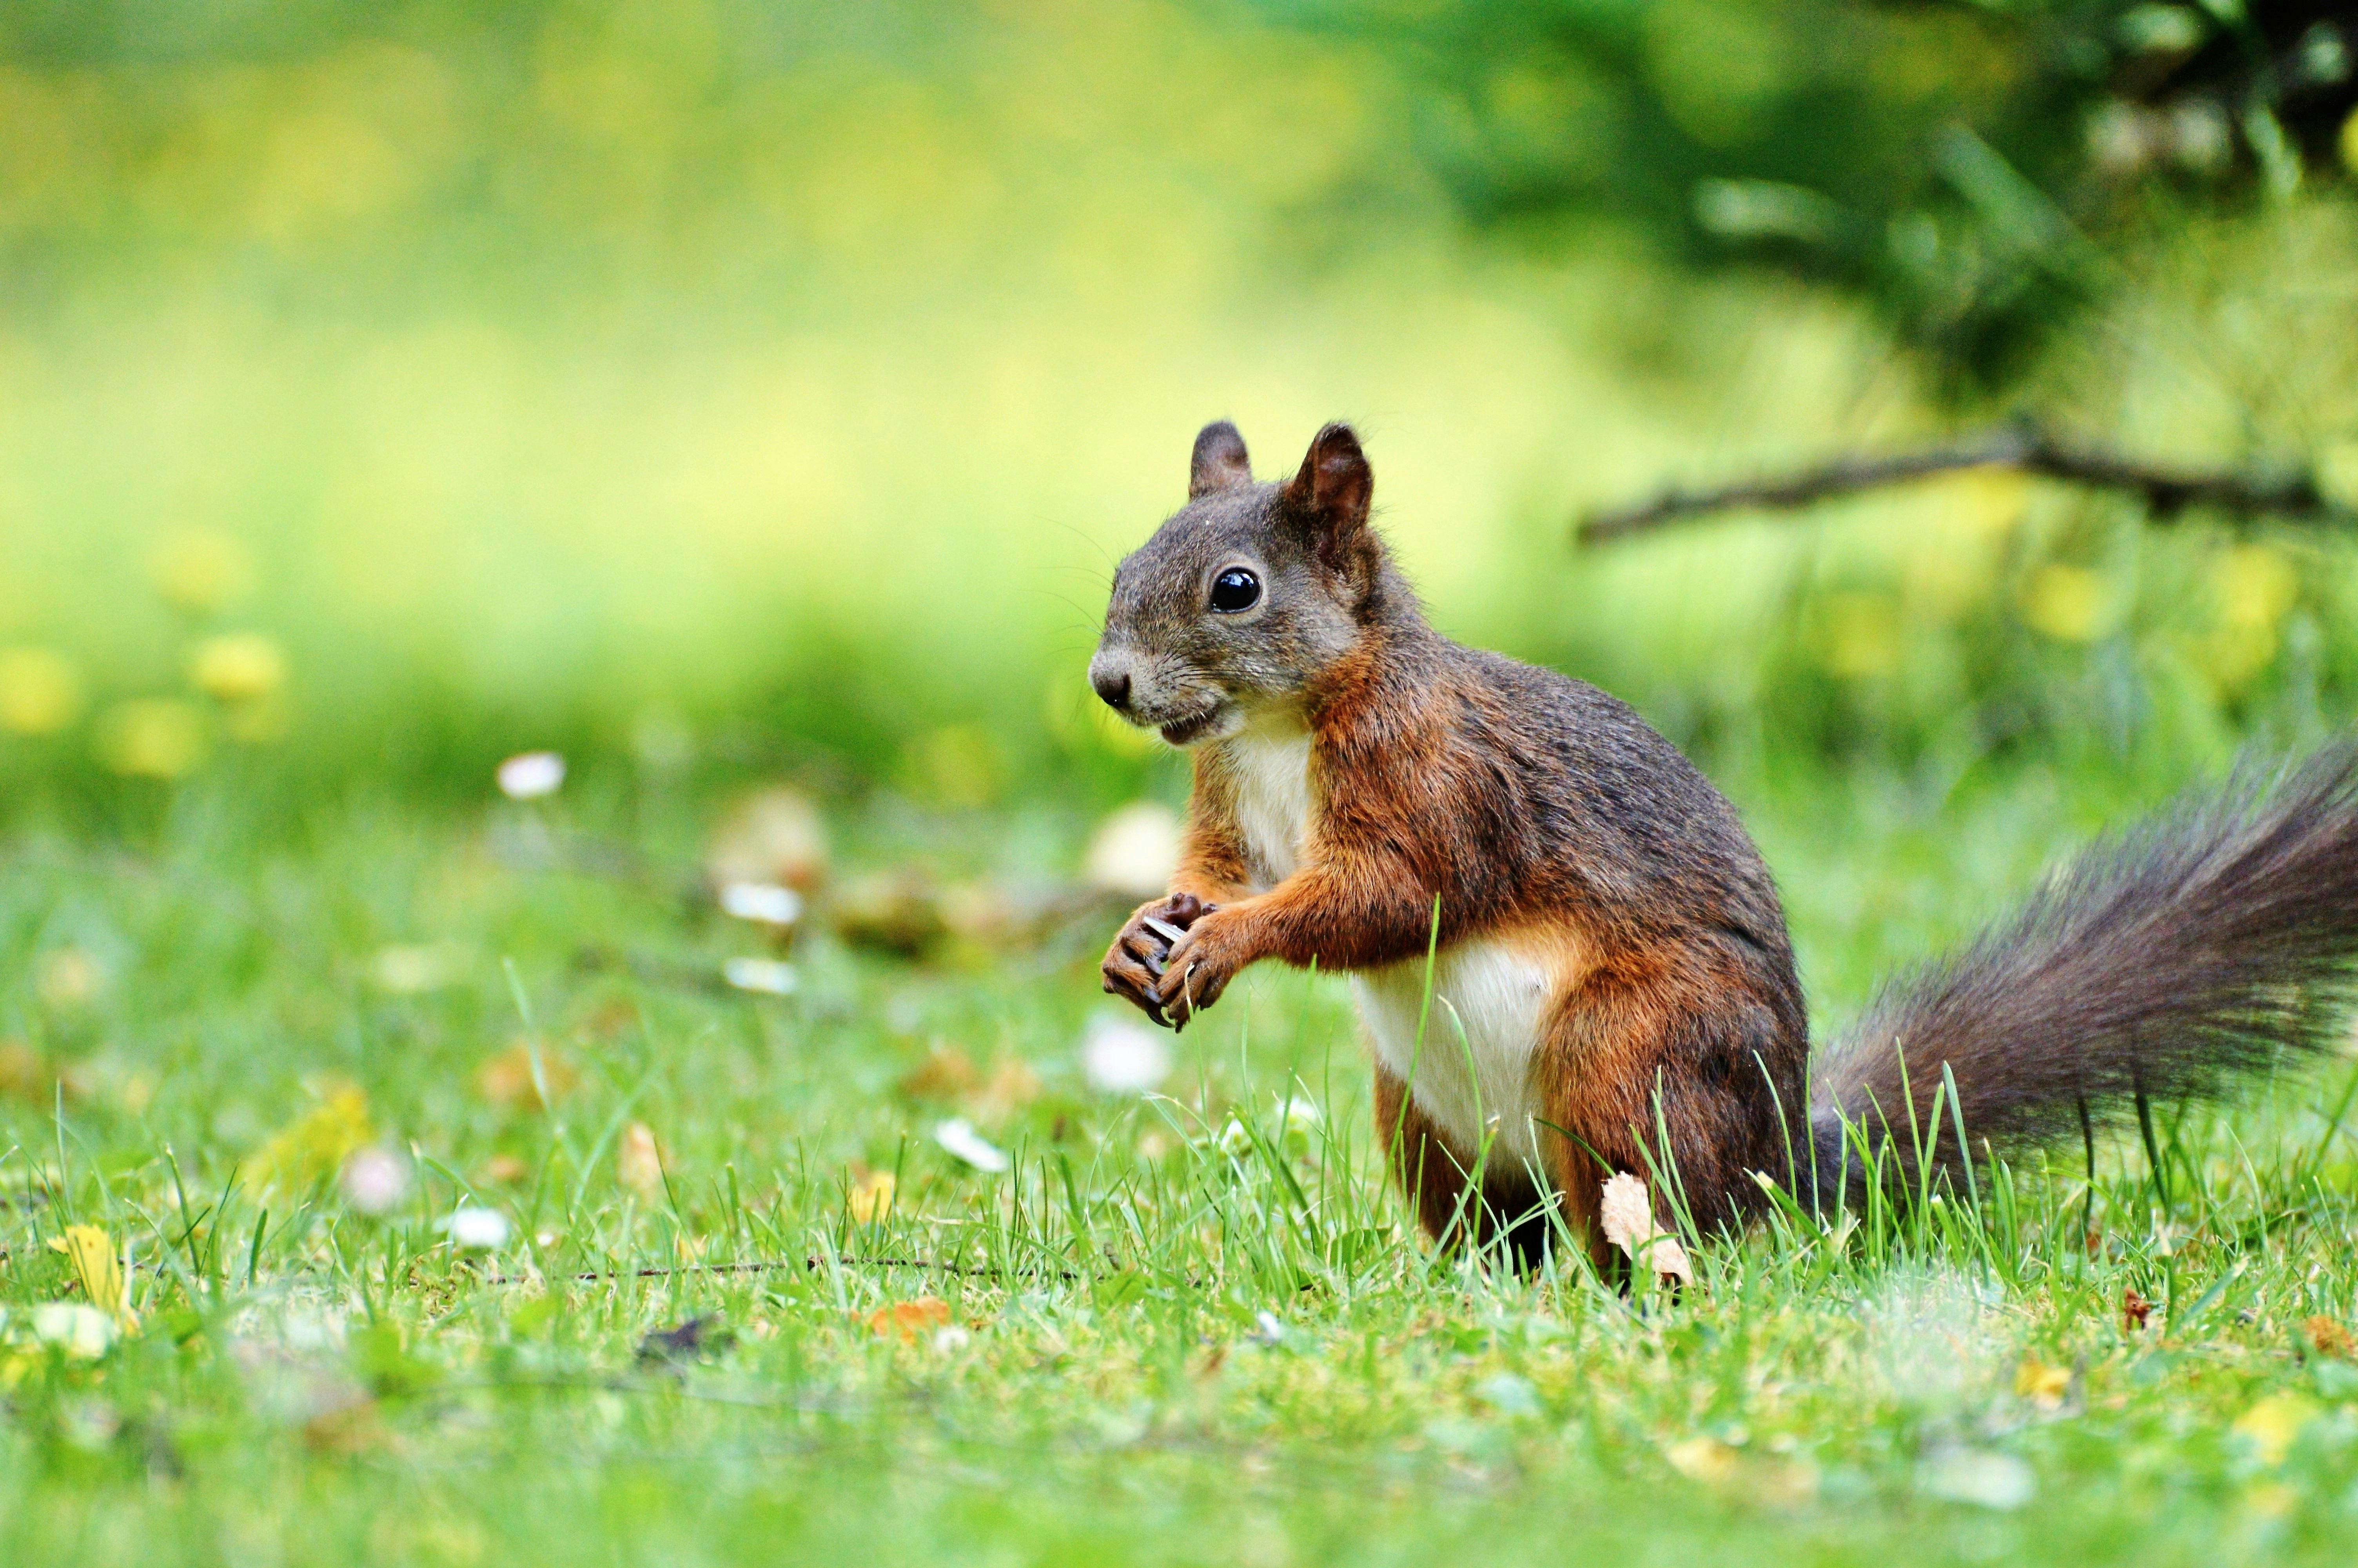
column 1245, row 595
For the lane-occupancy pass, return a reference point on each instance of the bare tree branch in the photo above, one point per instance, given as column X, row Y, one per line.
column 2166, row 491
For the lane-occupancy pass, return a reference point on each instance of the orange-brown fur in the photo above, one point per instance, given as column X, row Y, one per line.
column 1610, row 924
column 1529, row 806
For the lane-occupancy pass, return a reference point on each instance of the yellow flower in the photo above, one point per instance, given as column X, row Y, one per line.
column 2072, row 604
column 201, row 570
column 152, row 737
column 238, row 667
column 40, row 692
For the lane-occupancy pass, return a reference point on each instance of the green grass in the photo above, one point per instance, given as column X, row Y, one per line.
column 1171, row 1346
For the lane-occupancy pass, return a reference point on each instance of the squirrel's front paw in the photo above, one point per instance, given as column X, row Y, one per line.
column 1135, row 962
column 1199, row 968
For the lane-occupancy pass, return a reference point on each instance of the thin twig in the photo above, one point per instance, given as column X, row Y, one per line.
column 2166, row 491
column 969, row 1270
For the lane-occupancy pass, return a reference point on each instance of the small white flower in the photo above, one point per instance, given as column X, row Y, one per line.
column 764, row 903
column 770, row 976
column 481, row 1230
column 958, row 1137
column 1120, row 1057
column 1234, row 1138
column 81, row 1331
column 950, row 1340
column 374, row 1180
column 529, row 775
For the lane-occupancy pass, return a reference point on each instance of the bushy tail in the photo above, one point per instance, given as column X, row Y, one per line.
column 2212, row 942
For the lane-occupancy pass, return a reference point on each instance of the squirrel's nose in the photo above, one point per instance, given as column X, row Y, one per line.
column 1113, row 686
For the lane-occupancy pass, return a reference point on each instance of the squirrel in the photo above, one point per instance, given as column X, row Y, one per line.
column 1612, row 988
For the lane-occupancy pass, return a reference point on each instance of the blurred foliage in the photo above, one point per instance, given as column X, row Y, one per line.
column 716, row 391
column 1974, row 168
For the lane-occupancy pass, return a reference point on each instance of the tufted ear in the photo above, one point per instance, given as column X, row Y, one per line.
column 1219, row 462
column 1329, row 497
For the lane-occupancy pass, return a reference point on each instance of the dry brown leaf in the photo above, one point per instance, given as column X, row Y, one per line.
column 27, row 1074
column 2327, row 1337
column 897, row 912
column 639, row 1164
column 506, row 1080
column 505, row 1170
column 1012, row 1084
column 907, row 1320
column 2135, row 1310
column 771, row 836
column 943, row 1074
column 1626, row 1213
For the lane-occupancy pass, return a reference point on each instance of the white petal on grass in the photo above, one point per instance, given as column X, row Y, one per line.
column 1984, row 1479
column 764, row 903
column 958, row 1137
column 374, row 1180
column 770, row 976
column 482, row 1229
column 1627, row 1216
column 78, row 1329
column 530, row 775
column 1120, row 1057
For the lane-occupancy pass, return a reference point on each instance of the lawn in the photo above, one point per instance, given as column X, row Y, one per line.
column 429, row 1135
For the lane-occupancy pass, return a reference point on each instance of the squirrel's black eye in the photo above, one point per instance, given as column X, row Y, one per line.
column 1234, row 590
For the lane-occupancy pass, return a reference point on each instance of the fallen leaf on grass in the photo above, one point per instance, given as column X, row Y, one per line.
column 909, row 1319
column 28, row 1076
column 98, row 1269
column 1012, row 1084
column 870, row 1195
column 506, row 1080
column 1702, row 1459
column 639, row 1164
column 505, row 1170
column 776, row 834
column 2327, row 1337
column 1627, row 1217
column 2135, row 1310
column 2271, row 1425
column 318, row 1143
column 2041, row 1384
column 945, row 1073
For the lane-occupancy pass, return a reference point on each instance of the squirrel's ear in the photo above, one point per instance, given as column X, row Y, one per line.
column 1219, row 462
column 1332, row 491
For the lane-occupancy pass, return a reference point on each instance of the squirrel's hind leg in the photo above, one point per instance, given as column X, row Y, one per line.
column 1437, row 1175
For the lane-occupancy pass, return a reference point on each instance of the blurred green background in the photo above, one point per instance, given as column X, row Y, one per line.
column 714, row 390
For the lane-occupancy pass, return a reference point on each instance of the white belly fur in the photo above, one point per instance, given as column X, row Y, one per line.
column 1480, row 1081
column 1270, row 762
column 1495, row 991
